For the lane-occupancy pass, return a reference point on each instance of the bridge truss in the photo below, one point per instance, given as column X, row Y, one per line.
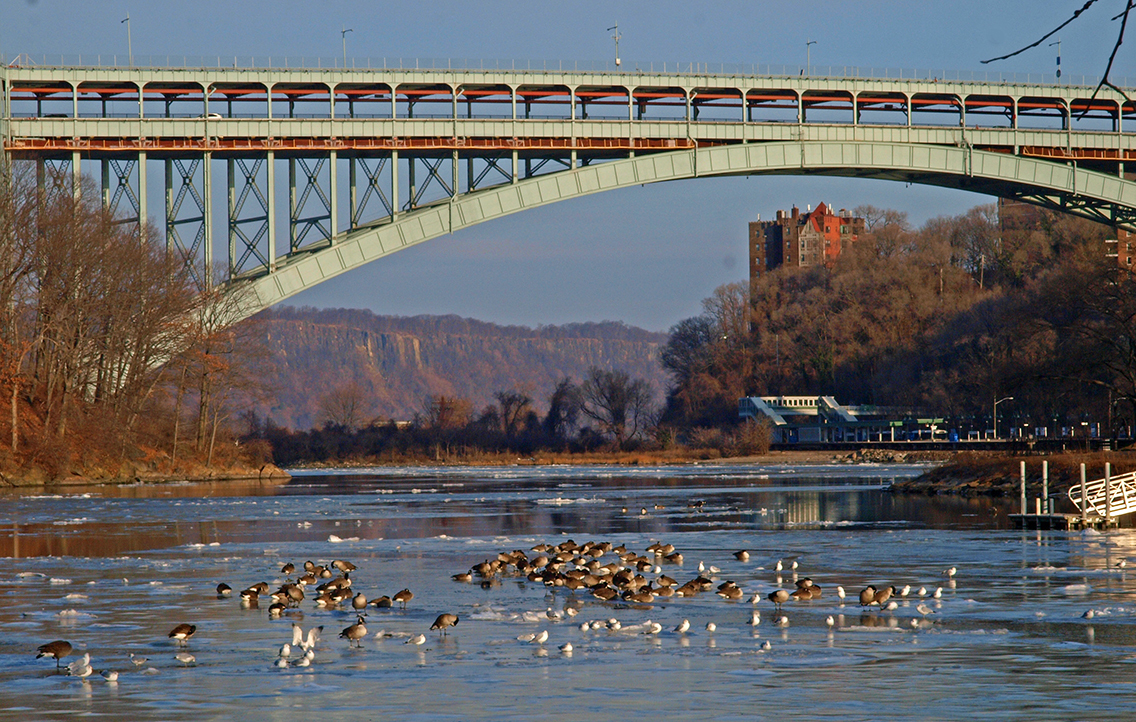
column 375, row 161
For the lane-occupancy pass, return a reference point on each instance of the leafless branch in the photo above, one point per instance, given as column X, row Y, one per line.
column 1043, row 38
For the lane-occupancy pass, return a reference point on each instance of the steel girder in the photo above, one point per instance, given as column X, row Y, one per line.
column 185, row 181
column 1087, row 193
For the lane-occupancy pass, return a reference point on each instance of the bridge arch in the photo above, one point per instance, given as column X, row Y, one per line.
column 1098, row 196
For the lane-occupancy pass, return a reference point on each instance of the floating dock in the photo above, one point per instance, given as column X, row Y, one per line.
column 1062, row 521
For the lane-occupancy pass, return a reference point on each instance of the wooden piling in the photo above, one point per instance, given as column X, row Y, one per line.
column 1084, row 502
column 1024, row 510
column 1045, row 487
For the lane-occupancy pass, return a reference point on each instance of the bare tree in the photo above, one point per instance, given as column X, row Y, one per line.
column 617, row 403
column 514, row 407
column 346, row 406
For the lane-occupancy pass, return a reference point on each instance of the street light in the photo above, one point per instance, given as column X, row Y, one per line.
column 1006, row 398
column 343, row 34
column 616, row 38
column 1058, row 44
column 129, row 45
column 809, row 56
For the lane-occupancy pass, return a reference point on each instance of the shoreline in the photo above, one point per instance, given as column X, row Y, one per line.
column 266, row 472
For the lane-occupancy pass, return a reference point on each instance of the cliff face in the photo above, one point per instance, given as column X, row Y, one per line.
column 397, row 362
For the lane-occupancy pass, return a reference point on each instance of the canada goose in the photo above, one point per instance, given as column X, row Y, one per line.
column 288, row 568
column 223, row 590
column 309, row 566
column 742, row 556
column 276, row 609
column 463, row 577
column 443, row 621
column 382, row 602
column 57, row 650
column 182, row 632
column 882, row 596
column 868, row 596
column 355, row 632
column 359, row 601
column 800, row 594
column 343, row 566
column 403, row 597
column 778, row 598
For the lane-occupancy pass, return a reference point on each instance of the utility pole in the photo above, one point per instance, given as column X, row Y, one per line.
column 616, row 38
column 809, row 56
column 1006, row 398
column 129, row 45
column 343, row 35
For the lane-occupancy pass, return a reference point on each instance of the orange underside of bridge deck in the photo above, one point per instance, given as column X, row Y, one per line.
column 30, row 147
column 240, row 145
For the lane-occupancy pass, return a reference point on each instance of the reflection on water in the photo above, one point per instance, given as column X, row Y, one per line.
column 112, row 569
column 110, row 520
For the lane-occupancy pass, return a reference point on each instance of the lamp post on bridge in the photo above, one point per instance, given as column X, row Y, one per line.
column 343, row 35
column 809, row 56
column 616, row 38
column 129, row 45
column 1005, row 398
column 1058, row 44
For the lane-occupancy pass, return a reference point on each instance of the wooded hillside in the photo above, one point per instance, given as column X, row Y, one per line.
column 395, row 363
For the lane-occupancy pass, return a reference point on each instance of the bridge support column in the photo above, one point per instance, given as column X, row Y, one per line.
column 206, row 220
column 76, row 175
column 455, row 176
column 333, row 190
column 394, row 184
column 271, row 211
column 514, row 165
column 143, row 216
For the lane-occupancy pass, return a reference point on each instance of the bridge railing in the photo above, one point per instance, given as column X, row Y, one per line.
column 247, row 62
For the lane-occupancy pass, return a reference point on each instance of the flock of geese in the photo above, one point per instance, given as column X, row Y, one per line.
column 335, row 593
column 611, row 574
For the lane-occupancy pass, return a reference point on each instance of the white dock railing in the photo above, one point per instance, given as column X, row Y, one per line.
column 1108, row 498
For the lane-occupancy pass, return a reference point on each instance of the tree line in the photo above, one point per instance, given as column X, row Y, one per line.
column 607, row 410
column 106, row 342
column 944, row 318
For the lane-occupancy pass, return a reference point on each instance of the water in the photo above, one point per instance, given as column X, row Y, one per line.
column 113, row 569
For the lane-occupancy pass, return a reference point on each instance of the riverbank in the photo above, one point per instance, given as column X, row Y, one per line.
column 34, row 478
column 997, row 474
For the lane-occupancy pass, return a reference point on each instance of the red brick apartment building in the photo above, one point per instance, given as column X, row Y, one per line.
column 801, row 240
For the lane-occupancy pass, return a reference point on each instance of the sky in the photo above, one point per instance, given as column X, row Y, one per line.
column 646, row 256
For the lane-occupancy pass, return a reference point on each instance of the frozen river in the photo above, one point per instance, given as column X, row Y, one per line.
column 113, row 570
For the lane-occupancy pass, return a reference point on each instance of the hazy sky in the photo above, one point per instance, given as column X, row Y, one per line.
column 645, row 255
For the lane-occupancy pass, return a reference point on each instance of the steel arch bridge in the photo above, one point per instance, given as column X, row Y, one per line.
column 414, row 154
